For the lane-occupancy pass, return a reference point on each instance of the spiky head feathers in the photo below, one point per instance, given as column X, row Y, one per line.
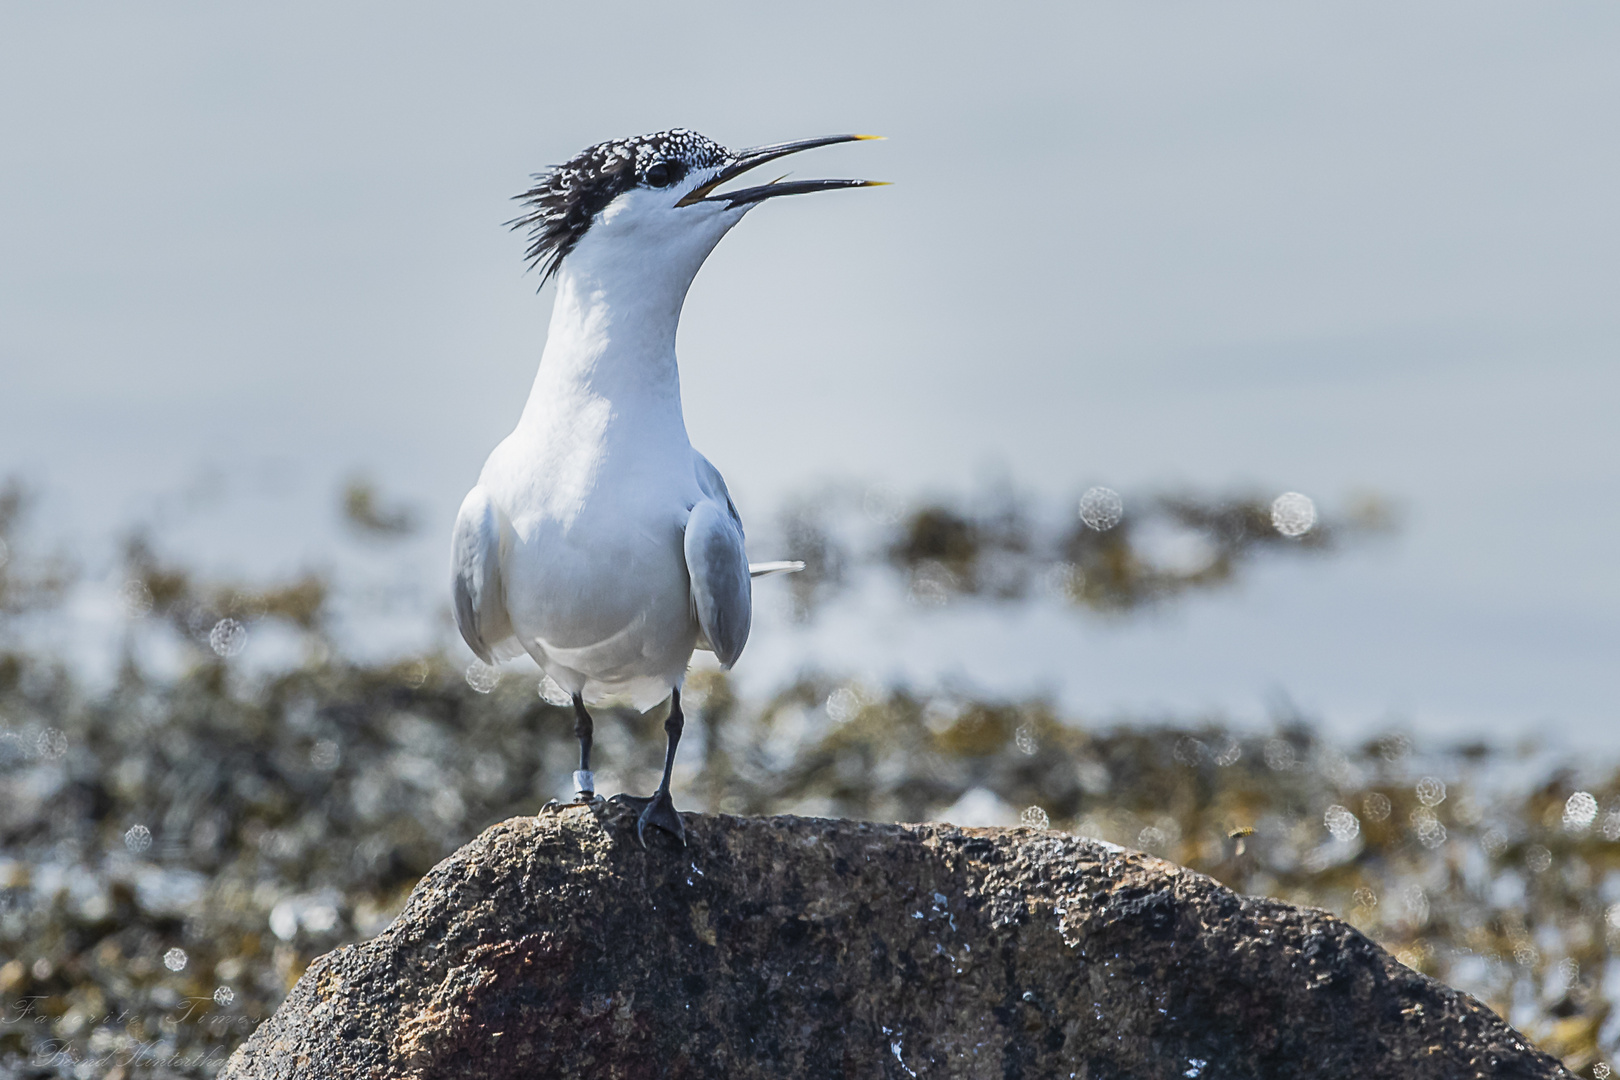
column 566, row 199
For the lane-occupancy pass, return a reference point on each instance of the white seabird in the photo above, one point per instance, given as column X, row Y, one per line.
column 597, row 540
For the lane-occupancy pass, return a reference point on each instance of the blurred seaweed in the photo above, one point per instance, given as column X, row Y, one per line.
column 174, row 850
column 1107, row 555
column 28, row 582
column 367, row 513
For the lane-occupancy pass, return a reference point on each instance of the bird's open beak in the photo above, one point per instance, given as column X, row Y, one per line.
column 759, row 155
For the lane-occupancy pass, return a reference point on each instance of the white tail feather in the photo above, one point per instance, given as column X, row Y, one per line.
column 766, row 569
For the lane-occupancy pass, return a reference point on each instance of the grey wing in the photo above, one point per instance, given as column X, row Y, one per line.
column 476, row 547
column 715, row 485
column 722, row 594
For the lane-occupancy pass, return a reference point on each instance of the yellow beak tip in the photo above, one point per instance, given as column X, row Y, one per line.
column 871, row 137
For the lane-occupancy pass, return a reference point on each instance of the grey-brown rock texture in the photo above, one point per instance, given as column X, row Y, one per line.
column 554, row 946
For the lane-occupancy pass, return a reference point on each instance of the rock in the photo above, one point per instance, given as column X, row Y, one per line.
column 554, row 946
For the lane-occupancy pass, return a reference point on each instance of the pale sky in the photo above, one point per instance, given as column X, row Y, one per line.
column 1318, row 247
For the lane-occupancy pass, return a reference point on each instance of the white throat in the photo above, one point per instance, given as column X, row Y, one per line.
column 618, row 307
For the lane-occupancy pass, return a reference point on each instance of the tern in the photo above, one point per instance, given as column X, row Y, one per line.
column 597, row 541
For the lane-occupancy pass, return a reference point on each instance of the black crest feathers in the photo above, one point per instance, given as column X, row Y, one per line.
column 565, row 200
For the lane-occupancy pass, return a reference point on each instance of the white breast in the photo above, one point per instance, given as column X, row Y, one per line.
column 598, row 480
column 595, row 576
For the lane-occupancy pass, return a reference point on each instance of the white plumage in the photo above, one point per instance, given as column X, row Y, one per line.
column 597, row 540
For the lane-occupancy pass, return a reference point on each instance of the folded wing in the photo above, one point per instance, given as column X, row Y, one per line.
column 476, row 547
column 722, row 595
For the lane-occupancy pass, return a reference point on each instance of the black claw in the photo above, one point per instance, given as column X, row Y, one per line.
column 659, row 812
column 553, row 806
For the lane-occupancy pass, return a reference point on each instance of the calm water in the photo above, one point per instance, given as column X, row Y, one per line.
column 1321, row 250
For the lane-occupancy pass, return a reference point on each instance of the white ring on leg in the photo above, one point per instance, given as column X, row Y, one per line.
column 584, row 782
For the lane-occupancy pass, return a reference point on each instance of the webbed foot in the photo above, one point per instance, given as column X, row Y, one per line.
column 583, row 798
column 657, row 810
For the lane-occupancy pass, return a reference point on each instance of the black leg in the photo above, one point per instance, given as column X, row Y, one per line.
column 672, row 731
column 584, row 783
column 660, row 809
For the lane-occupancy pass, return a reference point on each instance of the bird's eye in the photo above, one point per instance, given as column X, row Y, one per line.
column 659, row 174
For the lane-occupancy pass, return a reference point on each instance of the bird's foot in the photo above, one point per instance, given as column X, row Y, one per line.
column 657, row 810
column 581, row 798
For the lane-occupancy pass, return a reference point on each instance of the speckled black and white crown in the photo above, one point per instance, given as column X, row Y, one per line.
column 563, row 200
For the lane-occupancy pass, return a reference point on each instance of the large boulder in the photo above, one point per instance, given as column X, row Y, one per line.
column 555, row 946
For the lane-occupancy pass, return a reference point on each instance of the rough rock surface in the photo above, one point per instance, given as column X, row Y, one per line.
column 554, row 946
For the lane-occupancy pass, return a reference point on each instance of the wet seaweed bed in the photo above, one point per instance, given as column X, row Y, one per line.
column 174, row 857
column 174, row 851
